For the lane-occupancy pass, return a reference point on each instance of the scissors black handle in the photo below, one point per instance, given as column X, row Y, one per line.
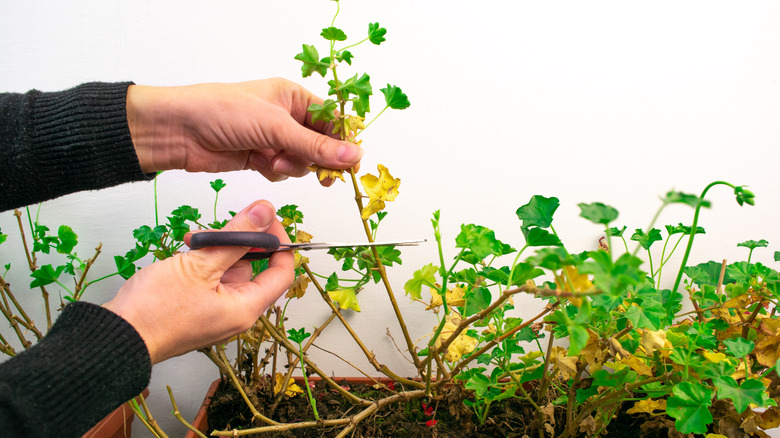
column 265, row 242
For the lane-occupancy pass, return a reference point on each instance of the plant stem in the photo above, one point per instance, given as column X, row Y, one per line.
column 177, row 414
column 312, row 402
column 693, row 231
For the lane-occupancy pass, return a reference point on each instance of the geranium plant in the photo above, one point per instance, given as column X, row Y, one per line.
column 610, row 341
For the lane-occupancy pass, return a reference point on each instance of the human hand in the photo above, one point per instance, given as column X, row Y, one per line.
column 259, row 125
column 202, row 297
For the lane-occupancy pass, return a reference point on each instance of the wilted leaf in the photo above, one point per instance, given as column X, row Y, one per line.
column 325, row 173
column 647, row 406
column 379, row 189
column 455, row 297
column 302, row 237
column 654, row 340
column 292, row 388
column 298, row 287
column 461, row 345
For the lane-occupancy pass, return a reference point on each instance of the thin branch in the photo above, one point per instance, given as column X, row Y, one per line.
column 177, row 414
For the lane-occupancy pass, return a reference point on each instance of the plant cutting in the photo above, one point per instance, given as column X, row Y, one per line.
column 609, row 346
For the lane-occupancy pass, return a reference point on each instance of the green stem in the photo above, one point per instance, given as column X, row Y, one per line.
column 312, row 402
column 693, row 231
column 372, row 120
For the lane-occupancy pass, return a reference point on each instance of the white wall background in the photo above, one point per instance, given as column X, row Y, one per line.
column 606, row 101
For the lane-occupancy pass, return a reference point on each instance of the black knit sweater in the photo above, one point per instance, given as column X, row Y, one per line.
column 92, row 360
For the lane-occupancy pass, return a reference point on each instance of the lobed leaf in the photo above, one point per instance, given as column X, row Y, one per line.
column 395, row 98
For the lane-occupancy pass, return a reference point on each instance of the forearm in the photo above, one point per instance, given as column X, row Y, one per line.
column 89, row 363
column 52, row 144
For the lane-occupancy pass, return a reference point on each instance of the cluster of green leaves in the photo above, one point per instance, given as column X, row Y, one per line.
column 627, row 337
column 357, row 89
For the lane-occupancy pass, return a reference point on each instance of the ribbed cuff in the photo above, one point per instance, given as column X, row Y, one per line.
column 70, row 141
column 89, row 363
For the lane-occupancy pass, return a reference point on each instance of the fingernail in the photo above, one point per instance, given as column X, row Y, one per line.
column 350, row 153
column 261, row 215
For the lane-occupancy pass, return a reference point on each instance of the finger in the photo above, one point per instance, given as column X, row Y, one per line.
column 259, row 216
column 317, row 148
column 238, row 273
column 289, row 165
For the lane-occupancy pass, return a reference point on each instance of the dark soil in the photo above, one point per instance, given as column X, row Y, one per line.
column 508, row 418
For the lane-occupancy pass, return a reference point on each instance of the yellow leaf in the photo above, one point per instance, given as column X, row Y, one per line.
column 768, row 350
column 770, row 418
column 461, row 345
column 655, row 340
column 292, row 388
column 298, row 287
column 346, row 298
column 302, row 237
column 647, row 406
column 566, row 364
column 455, row 297
column 715, row 435
column 325, row 173
column 379, row 189
column 579, row 282
column 714, row 357
column 299, row 260
column 638, row 365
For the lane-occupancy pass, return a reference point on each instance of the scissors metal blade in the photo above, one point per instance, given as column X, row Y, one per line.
column 323, row 245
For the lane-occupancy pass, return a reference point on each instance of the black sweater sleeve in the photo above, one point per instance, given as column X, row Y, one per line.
column 52, row 144
column 89, row 363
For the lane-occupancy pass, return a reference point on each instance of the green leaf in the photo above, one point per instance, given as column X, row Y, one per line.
column 689, row 406
column 146, row 234
column 311, row 62
column 477, row 299
column 777, row 256
column 752, row 244
column 68, row 239
column 647, row 315
column 298, row 336
column 673, row 197
column 346, row 56
column 578, row 338
column 290, row 215
column 45, row 275
column 481, row 241
column 616, row 232
column 739, row 347
column 376, row 34
column 538, row 212
column 333, row 34
column 647, row 239
column 423, row 276
column 124, row 267
column 521, row 273
column 617, row 379
column 178, row 227
column 598, row 213
column 706, row 273
column 750, row 391
column 395, row 98
column 217, row 185
column 187, row 212
column 325, row 112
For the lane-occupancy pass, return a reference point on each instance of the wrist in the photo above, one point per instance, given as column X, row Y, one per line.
column 156, row 137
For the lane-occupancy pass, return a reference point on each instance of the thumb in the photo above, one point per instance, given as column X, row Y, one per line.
column 258, row 216
column 318, row 148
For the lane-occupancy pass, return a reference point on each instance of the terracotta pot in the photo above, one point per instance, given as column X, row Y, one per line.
column 117, row 424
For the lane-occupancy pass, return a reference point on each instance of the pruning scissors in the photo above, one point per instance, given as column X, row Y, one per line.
column 263, row 245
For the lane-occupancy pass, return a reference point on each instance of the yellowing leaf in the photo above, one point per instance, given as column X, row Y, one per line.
column 638, row 365
column 579, row 282
column 455, row 297
column 325, row 173
column 566, row 364
column 647, row 406
column 768, row 350
column 715, row 435
column 379, row 189
column 298, row 287
column 292, row 388
column 302, row 237
column 299, row 260
column 714, row 357
column 655, row 340
column 346, row 298
column 461, row 345
column 770, row 418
